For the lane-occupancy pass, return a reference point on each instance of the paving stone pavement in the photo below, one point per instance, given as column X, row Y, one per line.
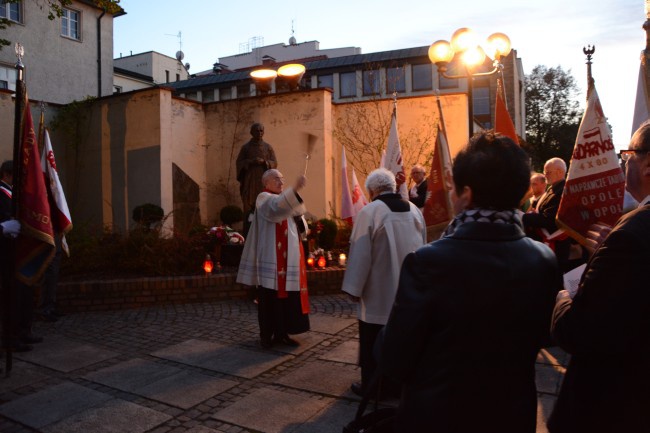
column 198, row 368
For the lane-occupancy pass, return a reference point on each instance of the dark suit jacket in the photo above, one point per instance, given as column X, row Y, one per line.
column 421, row 194
column 471, row 312
column 545, row 219
column 606, row 328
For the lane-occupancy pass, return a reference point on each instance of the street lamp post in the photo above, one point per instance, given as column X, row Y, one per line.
column 465, row 44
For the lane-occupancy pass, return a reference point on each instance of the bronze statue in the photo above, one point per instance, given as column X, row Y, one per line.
column 255, row 157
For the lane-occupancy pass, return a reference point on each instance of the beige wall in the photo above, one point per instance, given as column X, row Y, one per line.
column 128, row 144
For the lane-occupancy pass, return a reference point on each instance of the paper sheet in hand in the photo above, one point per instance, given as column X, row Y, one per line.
column 572, row 279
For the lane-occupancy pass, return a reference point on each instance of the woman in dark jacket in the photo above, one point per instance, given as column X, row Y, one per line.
column 473, row 308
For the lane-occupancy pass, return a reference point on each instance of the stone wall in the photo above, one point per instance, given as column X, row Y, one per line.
column 76, row 297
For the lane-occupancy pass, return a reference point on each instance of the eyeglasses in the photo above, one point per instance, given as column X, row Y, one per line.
column 627, row 154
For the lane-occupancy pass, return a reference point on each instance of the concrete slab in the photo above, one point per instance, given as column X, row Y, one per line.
column 322, row 378
column 328, row 324
column 62, row 354
column 202, row 429
column 52, row 404
column 332, row 419
column 160, row 382
column 116, row 416
column 222, row 358
column 347, row 352
column 22, row 374
column 272, row 411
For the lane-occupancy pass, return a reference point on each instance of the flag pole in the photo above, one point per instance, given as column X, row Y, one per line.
column 19, row 95
column 589, row 51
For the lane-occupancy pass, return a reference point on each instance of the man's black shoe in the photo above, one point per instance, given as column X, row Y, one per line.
column 266, row 343
column 357, row 389
column 31, row 339
column 287, row 341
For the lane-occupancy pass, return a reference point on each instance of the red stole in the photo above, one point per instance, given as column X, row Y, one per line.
column 281, row 252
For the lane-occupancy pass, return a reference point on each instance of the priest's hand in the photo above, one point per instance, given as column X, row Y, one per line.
column 300, row 183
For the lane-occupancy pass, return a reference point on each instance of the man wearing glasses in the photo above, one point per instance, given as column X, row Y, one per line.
column 418, row 192
column 606, row 326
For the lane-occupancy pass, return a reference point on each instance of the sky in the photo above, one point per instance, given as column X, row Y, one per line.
column 550, row 33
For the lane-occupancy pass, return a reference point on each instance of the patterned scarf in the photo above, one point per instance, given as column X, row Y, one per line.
column 510, row 216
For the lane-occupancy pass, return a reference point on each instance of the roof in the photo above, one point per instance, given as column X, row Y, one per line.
column 311, row 66
column 132, row 74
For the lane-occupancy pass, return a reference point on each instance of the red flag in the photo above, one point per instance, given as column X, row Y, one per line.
column 61, row 221
column 35, row 244
column 438, row 210
column 347, row 212
column 393, row 158
column 502, row 120
column 358, row 197
column 595, row 182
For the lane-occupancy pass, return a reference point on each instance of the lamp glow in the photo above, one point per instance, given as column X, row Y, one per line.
column 310, row 262
column 292, row 74
column 322, row 262
column 463, row 39
column 473, row 57
column 342, row 259
column 498, row 45
column 263, row 78
column 208, row 265
column 440, row 52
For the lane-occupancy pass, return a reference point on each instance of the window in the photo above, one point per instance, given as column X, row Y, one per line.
column 207, row 95
column 450, row 83
column 225, row 94
column 7, row 78
column 395, row 80
column 11, row 11
column 178, row 77
column 326, row 81
column 371, row 82
column 422, row 79
column 70, row 25
column 481, row 99
column 166, row 76
column 348, row 82
column 243, row 90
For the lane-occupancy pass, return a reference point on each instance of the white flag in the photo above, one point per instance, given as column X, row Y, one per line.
column 641, row 105
column 393, row 159
column 61, row 221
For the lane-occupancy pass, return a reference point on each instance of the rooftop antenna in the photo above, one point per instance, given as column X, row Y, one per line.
column 179, row 53
column 292, row 39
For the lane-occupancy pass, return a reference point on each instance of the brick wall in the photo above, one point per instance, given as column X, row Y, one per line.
column 103, row 295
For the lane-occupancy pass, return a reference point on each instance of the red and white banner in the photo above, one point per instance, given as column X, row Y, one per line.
column 438, row 210
column 347, row 212
column 35, row 244
column 595, row 182
column 358, row 197
column 393, row 158
column 61, row 220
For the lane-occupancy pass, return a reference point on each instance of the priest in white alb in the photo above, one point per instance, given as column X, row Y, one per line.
column 273, row 261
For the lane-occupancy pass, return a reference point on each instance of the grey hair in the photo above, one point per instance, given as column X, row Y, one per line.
column 381, row 180
column 557, row 163
column 268, row 173
column 642, row 134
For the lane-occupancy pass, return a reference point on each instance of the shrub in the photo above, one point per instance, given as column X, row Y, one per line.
column 327, row 236
column 148, row 214
column 231, row 214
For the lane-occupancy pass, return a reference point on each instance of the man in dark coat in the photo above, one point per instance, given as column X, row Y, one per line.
column 606, row 326
column 473, row 308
